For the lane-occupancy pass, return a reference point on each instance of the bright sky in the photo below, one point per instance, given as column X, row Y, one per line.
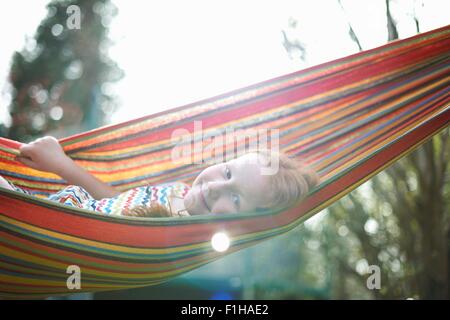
column 187, row 51
column 177, row 52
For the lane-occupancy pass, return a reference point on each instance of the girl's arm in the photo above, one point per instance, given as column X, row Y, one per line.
column 46, row 154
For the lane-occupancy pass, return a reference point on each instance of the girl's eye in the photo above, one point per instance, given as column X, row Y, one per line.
column 236, row 200
column 228, row 173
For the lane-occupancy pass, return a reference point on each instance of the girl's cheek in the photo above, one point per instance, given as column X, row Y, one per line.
column 221, row 208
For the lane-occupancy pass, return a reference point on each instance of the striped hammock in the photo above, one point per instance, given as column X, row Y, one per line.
column 348, row 119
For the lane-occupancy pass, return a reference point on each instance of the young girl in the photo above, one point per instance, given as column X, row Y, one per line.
column 230, row 187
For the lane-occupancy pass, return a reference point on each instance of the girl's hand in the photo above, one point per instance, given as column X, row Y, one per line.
column 44, row 154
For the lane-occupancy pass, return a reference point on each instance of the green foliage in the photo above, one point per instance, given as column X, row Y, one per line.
column 60, row 78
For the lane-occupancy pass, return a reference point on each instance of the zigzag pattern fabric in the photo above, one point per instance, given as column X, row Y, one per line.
column 78, row 197
column 348, row 119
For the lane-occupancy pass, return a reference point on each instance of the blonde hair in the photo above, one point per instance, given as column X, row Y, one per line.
column 292, row 181
column 290, row 184
column 155, row 210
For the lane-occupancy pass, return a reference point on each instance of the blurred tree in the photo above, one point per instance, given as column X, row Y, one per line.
column 294, row 47
column 351, row 31
column 391, row 25
column 400, row 223
column 61, row 79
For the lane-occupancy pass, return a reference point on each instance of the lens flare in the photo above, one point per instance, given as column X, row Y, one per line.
column 220, row 242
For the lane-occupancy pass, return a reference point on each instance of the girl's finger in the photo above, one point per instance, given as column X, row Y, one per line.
column 26, row 161
column 25, row 150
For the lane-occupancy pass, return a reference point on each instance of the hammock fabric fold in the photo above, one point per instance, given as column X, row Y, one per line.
column 348, row 119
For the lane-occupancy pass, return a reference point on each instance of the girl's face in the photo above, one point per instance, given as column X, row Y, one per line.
column 230, row 187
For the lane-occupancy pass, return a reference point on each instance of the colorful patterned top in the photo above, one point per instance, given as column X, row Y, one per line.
column 77, row 196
